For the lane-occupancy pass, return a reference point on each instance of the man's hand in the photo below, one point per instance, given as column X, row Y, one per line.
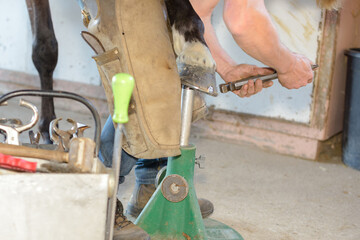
column 240, row 71
column 298, row 74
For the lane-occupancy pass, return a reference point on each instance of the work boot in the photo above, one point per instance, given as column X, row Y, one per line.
column 125, row 229
column 200, row 109
column 143, row 192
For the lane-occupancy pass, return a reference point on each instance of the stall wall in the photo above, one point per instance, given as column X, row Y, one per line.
column 74, row 63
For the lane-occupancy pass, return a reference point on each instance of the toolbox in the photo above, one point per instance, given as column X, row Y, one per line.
column 39, row 206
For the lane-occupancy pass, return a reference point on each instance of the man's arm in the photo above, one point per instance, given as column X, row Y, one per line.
column 251, row 26
column 227, row 68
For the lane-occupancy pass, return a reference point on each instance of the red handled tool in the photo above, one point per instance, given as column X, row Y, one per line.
column 22, row 165
column 18, row 164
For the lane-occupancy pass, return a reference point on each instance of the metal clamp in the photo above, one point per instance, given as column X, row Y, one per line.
column 61, row 137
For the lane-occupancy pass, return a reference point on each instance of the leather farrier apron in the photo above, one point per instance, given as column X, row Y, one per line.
column 135, row 40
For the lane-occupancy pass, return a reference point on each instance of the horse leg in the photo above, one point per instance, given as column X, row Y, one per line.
column 44, row 56
column 188, row 34
column 193, row 56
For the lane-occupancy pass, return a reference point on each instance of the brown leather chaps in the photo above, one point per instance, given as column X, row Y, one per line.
column 135, row 37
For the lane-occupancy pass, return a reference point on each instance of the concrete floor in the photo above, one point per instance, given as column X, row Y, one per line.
column 265, row 195
column 270, row 196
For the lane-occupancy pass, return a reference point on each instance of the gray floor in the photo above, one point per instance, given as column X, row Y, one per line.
column 265, row 195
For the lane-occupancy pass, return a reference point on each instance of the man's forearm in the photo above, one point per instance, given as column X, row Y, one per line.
column 252, row 28
column 222, row 59
column 204, row 9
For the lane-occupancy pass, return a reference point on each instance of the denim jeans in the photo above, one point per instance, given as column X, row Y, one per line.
column 145, row 170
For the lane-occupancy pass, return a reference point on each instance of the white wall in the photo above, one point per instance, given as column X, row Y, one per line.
column 296, row 20
column 74, row 63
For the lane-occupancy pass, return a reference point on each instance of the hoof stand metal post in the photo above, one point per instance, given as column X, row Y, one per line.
column 173, row 211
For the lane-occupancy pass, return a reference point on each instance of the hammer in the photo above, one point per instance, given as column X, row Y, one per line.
column 80, row 155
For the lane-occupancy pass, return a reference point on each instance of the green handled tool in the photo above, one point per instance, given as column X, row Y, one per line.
column 122, row 85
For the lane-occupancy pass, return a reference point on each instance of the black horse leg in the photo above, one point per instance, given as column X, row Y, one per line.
column 44, row 56
column 188, row 34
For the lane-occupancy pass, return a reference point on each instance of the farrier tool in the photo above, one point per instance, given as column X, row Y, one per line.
column 22, row 165
column 82, row 151
column 12, row 132
column 60, row 94
column 11, row 122
column 237, row 85
column 80, row 156
column 122, row 85
column 24, row 151
column 34, row 138
column 14, row 122
column 61, row 137
column 80, row 129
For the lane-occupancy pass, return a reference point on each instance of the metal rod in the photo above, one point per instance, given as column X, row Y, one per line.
column 116, row 164
column 186, row 115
